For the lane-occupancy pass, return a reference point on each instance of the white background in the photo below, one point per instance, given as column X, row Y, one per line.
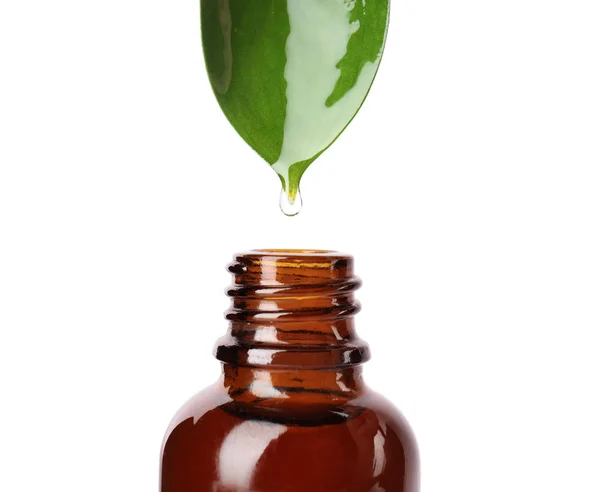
column 467, row 189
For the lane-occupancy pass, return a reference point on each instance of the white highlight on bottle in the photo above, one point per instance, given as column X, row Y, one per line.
column 261, row 357
column 262, row 386
column 241, row 450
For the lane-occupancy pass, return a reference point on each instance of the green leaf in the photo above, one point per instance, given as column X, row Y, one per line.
column 290, row 75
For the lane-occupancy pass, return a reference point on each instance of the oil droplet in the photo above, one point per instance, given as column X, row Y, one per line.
column 289, row 205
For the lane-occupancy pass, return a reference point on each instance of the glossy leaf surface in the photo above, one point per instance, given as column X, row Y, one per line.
column 291, row 74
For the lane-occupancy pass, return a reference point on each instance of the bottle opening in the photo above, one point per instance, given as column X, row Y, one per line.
column 299, row 252
column 290, row 269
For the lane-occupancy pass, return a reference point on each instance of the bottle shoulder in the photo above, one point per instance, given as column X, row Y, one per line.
column 197, row 406
column 366, row 442
column 390, row 416
column 215, row 397
column 384, row 408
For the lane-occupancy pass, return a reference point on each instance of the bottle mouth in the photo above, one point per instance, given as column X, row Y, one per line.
column 301, row 257
column 290, row 268
column 295, row 252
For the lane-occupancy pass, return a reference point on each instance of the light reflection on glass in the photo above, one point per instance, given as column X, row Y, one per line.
column 262, row 386
column 241, row 451
column 266, row 334
column 379, row 451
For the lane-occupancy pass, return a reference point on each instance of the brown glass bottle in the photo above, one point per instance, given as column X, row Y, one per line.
column 291, row 412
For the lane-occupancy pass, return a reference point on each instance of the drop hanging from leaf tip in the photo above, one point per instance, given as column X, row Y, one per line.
column 290, row 204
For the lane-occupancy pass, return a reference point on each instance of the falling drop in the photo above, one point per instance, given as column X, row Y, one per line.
column 289, row 205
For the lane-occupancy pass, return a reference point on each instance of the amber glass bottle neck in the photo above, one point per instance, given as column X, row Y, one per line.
column 310, row 386
column 292, row 310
